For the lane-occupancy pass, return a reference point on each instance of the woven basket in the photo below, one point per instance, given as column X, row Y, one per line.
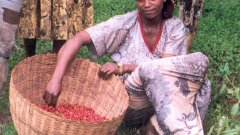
column 81, row 85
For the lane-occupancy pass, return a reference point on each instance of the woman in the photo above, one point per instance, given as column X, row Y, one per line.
column 149, row 33
column 56, row 20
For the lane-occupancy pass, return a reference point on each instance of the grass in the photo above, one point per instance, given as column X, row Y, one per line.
column 8, row 129
column 217, row 37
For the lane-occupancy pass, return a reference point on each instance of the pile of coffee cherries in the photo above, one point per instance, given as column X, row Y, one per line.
column 76, row 113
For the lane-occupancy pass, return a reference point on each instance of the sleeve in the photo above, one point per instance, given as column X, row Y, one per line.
column 176, row 41
column 139, row 78
column 107, row 36
column 134, row 83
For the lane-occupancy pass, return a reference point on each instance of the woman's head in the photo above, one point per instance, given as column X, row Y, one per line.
column 152, row 8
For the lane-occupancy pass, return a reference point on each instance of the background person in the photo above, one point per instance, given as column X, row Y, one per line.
column 9, row 19
column 55, row 20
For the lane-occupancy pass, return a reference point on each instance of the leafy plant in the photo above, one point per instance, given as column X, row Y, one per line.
column 218, row 38
column 228, row 112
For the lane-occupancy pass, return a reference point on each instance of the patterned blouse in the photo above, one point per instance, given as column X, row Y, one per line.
column 121, row 37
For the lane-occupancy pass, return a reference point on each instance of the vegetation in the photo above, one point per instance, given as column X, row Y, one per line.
column 217, row 37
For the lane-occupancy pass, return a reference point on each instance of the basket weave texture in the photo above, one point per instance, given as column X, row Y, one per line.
column 81, row 85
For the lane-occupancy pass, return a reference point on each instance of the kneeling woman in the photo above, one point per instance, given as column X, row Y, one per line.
column 147, row 34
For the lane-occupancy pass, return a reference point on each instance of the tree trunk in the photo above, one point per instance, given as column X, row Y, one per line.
column 189, row 12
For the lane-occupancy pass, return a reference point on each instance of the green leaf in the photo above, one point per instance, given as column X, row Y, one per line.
column 230, row 91
column 231, row 132
column 221, row 122
column 225, row 70
column 223, row 89
column 235, row 109
column 236, row 94
column 211, row 130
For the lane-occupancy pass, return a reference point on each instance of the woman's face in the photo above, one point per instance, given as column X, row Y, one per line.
column 150, row 8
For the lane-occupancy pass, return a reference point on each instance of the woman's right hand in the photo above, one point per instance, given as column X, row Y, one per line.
column 107, row 69
column 65, row 55
column 52, row 92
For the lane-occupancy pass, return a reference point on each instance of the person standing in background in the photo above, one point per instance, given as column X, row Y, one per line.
column 56, row 20
column 9, row 20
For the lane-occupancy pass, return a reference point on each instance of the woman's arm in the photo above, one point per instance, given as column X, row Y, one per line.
column 107, row 69
column 65, row 55
column 167, row 55
column 129, row 68
column 68, row 51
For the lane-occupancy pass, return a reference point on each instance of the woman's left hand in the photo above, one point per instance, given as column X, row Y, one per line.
column 107, row 69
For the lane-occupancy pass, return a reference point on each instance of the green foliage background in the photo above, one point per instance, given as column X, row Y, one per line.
column 218, row 37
